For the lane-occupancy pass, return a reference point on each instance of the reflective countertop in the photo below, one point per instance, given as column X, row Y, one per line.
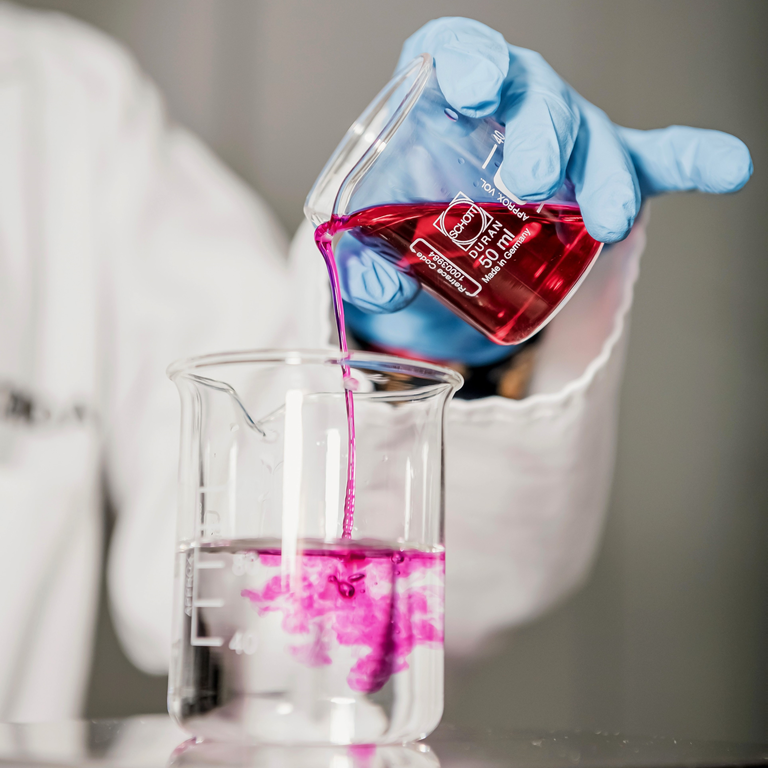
column 154, row 741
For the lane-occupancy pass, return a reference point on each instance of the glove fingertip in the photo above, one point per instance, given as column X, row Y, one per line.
column 470, row 84
column 472, row 63
column 679, row 158
column 732, row 166
column 610, row 233
column 610, row 212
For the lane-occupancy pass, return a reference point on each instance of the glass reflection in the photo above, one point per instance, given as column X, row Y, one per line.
column 200, row 754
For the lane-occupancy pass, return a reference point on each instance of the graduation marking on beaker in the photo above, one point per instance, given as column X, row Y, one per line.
column 203, row 603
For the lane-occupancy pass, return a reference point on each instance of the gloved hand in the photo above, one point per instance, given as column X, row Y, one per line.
column 551, row 133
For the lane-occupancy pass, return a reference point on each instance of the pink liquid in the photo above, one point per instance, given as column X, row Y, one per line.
column 505, row 270
column 380, row 601
column 271, row 644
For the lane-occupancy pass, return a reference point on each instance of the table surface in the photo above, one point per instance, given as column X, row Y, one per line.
column 154, row 741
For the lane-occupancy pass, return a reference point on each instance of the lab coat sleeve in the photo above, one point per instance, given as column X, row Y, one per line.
column 192, row 263
column 528, row 481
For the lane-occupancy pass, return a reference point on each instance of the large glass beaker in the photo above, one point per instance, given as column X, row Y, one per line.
column 284, row 630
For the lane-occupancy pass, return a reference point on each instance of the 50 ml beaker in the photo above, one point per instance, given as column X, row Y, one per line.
column 420, row 184
column 284, row 630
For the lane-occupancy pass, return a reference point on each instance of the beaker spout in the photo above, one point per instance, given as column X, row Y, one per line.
column 222, row 386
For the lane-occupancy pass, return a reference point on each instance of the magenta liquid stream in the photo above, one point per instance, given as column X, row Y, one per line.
column 324, row 239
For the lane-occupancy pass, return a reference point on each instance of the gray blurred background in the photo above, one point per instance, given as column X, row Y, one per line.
column 671, row 634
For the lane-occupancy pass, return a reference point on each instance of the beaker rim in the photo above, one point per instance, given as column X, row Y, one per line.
column 391, row 363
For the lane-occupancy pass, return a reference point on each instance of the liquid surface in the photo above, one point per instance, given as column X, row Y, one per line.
column 503, row 268
column 298, row 638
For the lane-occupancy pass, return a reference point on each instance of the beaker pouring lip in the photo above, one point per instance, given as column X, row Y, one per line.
column 391, row 363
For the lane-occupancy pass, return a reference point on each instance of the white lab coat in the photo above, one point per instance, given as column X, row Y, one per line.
column 124, row 245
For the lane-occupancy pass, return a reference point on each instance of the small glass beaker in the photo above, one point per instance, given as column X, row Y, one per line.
column 420, row 185
column 285, row 631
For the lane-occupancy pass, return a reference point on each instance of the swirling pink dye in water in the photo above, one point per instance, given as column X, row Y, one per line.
column 383, row 601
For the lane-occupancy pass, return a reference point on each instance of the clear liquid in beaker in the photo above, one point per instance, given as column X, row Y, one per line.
column 339, row 643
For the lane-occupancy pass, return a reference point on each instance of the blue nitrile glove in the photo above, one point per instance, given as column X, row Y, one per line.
column 551, row 132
